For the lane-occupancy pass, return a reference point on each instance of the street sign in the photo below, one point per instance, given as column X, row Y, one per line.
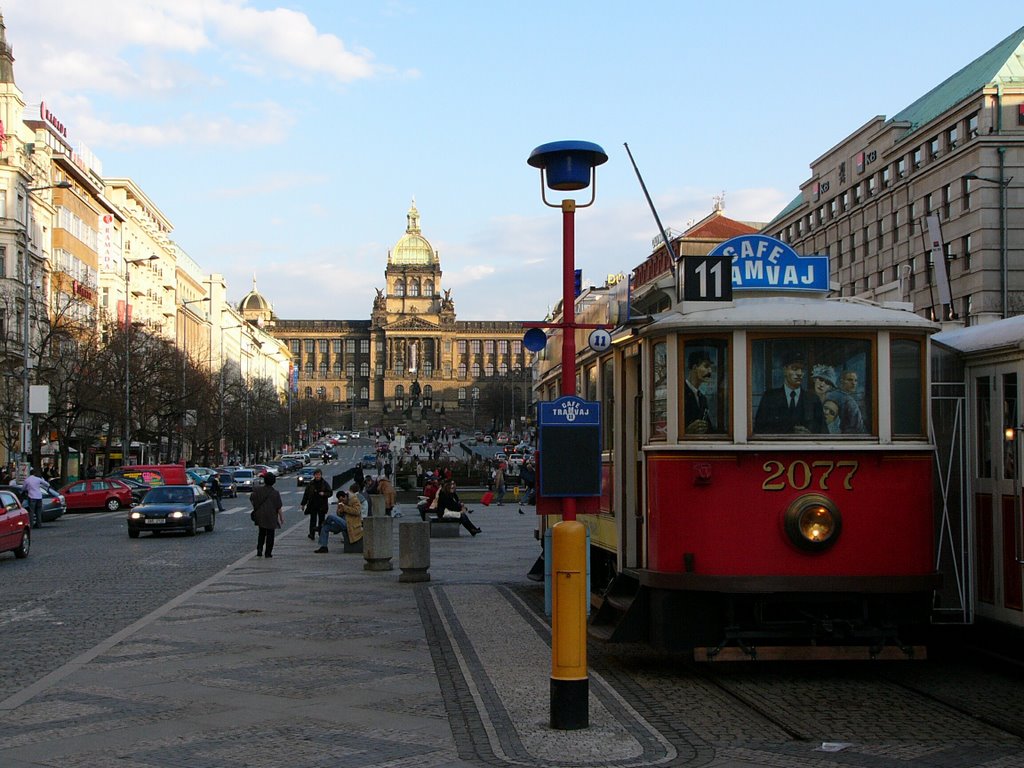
column 600, row 340
column 535, row 339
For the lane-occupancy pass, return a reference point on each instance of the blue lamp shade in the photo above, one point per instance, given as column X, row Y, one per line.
column 567, row 165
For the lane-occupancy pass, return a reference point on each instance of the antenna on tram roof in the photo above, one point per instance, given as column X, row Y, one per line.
column 650, row 203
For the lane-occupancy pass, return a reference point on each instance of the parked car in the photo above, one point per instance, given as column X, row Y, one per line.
column 246, row 479
column 173, row 508
column 53, row 505
column 15, row 530
column 263, row 469
column 105, row 492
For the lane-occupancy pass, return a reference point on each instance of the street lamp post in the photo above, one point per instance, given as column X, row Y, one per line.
column 1003, row 245
column 26, row 418
column 184, row 368
column 126, row 437
column 568, row 166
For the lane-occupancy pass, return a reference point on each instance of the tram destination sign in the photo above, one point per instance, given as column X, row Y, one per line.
column 570, row 447
column 762, row 263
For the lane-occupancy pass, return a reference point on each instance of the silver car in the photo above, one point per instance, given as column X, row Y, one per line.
column 246, row 479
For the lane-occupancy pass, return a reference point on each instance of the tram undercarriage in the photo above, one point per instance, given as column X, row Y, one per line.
column 725, row 624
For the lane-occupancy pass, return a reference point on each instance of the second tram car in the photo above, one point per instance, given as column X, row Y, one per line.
column 767, row 479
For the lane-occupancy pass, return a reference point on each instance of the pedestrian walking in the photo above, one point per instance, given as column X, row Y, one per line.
column 267, row 514
column 34, row 487
column 314, row 502
column 499, row 483
column 216, row 491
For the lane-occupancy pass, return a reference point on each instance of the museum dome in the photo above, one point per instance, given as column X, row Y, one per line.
column 253, row 301
column 413, row 249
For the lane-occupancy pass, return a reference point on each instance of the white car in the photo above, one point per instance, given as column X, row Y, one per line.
column 354, row 435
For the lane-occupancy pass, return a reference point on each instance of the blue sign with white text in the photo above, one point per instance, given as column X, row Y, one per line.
column 570, row 411
column 763, row 263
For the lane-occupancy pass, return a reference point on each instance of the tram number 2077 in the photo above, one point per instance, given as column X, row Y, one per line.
column 800, row 475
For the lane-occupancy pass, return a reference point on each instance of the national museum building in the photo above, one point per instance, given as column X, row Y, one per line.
column 412, row 360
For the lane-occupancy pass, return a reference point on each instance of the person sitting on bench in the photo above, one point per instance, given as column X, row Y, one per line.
column 449, row 507
column 348, row 520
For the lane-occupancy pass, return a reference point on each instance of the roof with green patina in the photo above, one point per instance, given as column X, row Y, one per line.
column 1002, row 64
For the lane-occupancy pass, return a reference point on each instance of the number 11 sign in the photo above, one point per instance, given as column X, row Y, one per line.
column 707, row 278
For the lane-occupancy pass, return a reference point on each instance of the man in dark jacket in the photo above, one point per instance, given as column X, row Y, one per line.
column 267, row 514
column 315, row 500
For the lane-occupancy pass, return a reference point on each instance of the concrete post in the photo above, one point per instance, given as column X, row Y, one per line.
column 376, row 505
column 377, row 549
column 414, row 551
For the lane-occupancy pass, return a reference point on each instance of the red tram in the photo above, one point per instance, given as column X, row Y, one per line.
column 767, row 478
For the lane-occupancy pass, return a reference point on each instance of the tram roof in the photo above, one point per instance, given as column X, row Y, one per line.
column 1001, row 334
column 795, row 312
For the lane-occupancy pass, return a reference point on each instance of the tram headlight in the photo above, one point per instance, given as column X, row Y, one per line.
column 813, row 523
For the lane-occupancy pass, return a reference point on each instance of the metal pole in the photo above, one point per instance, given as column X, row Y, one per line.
column 126, row 444
column 26, row 433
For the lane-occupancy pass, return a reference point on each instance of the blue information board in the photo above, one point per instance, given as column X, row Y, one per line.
column 570, row 447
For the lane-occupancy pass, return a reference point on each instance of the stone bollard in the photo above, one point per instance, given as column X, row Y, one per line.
column 376, row 505
column 377, row 548
column 414, row 551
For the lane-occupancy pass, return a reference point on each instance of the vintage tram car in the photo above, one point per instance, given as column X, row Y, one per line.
column 767, row 478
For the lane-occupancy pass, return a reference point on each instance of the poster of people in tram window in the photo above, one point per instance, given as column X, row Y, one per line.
column 811, row 386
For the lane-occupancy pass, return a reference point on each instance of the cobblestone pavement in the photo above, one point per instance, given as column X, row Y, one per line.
column 311, row 660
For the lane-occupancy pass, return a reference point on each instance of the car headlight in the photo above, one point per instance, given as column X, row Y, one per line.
column 135, row 515
column 176, row 514
column 813, row 522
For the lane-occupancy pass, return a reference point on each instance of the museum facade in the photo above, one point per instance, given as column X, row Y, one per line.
column 412, row 360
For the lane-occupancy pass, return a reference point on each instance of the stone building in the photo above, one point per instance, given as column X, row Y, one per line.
column 412, row 361
column 935, row 190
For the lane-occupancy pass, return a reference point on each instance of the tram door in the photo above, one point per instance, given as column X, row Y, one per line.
column 996, row 486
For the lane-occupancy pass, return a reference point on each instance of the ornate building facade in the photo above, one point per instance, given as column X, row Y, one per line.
column 412, row 361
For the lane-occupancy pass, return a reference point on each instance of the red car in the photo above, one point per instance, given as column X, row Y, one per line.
column 100, row 493
column 15, row 531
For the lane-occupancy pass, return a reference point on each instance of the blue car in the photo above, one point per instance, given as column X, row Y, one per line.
column 172, row 508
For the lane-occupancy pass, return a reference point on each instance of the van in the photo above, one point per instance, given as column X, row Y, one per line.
column 303, row 457
column 154, row 474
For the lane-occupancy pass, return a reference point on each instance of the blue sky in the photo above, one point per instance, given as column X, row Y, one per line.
column 286, row 139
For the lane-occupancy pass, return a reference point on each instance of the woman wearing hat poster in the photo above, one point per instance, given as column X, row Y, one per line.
column 842, row 415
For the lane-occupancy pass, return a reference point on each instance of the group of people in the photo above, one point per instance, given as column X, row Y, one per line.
column 441, row 499
column 830, row 406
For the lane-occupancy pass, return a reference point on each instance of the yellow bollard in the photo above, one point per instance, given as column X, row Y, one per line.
column 515, row 492
column 569, row 681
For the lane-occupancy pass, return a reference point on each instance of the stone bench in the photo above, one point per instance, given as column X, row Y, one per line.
column 445, row 529
column 348, row 547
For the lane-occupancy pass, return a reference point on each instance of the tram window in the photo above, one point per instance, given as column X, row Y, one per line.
column 1010, row 425
column 811, row 385
column 659, row 390
column 705, row 391
column 607, row 402
column 591, row 375
column 907, row 387
column 982, row 386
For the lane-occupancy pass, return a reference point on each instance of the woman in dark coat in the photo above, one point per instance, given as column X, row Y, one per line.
column 448, row 501
column 267, row 513
column 314, row 502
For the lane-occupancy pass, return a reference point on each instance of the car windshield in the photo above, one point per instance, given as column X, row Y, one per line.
column 169, row 495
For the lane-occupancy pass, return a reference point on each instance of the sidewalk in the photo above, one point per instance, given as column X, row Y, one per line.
column 310, row 660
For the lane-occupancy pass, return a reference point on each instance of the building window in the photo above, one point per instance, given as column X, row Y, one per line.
column 966, row 250
column 428, row 287
column 400, row 287
column 833, row 208
column 310, row 346
column 350, row 346
column 886, row 178
column 871, row 185
column 462, row 370
column 503, row 347
column 901, row 168
column 895, row 226
column 972, row 126
column 856, row 194
column 364, row 346
column 364, row 393
column 296, row 347
column 880, row 235
column 517, row 347
column 911, row 216
column 867, row 241
column 489, row 347
column 928, row 207
column 336, row 346
column 337, row 368
column 379, row 369
column 933, row 148
column 414, row 287
column 951, row 137
column 364, row 369
column 461, row 346
column 845, row 201
column 489, row 370
column 503, row 369
column 916, row 158
column 474, row 371
column 474, row 346
column 350, row 369
column 965, row 194
column 309, row 370
column 947, row 193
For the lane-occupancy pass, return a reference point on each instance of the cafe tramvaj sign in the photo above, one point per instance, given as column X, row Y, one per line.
column 762, row 263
